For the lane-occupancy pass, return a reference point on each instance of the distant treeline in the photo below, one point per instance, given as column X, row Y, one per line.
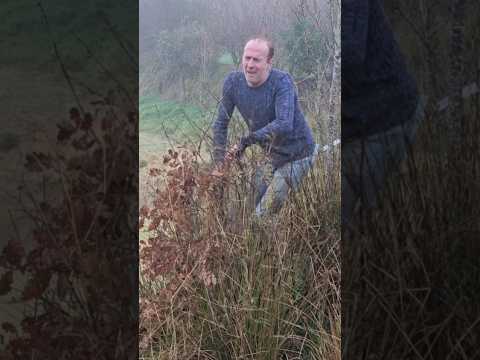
column 187, row 46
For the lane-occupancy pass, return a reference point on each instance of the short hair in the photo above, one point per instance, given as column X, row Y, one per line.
column 267, row 42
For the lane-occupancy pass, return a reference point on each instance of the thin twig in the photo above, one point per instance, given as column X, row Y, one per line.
column 59, row 58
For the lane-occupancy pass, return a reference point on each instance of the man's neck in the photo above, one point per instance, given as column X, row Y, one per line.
column 263, row 82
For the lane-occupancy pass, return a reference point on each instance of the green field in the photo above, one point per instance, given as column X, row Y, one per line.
column 165, row 123
column 159, row 116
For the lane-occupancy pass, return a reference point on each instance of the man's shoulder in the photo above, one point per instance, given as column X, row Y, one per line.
column 281, row 78
column 234, row 76
column 232, row 80
column 280, row 75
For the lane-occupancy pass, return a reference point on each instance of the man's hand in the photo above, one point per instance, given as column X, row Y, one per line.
column 235, row 152
column 232, row 154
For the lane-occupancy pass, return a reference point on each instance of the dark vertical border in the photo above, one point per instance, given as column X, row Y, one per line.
column 69, row 253
column 410, row 263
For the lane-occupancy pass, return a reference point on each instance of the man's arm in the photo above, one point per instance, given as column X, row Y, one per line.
column 284, row 113
column 355, row 15
column 220, row 127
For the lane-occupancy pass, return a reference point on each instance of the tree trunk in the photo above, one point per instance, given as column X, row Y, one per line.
column 332, row 133
column 334, row 98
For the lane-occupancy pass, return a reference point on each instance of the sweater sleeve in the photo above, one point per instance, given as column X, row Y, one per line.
column 220, row 127
column 355, row 17
column 284, row 113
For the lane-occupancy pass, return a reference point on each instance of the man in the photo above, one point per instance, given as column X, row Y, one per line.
column 380, row 105
column 267, row 100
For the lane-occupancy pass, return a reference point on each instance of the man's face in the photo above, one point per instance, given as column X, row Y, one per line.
column 255, row 62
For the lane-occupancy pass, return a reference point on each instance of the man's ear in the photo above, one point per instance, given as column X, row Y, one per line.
column 269, row 63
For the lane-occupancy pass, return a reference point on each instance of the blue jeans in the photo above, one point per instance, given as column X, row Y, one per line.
column 272, row 185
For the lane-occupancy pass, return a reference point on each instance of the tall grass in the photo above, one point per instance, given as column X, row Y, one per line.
column 410, row 270
column 248, row 288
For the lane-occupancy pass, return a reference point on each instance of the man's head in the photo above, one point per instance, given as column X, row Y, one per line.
column 257, row 60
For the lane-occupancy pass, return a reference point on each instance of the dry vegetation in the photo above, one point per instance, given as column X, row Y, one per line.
column 75, row 279
column 216, row 283
column 411, row 269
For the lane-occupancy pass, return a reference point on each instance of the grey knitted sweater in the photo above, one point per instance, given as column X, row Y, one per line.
column 272, row 114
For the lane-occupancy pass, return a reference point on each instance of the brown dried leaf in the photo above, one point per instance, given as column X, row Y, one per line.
column 217, row 173
column 37, row 285
column 14, row 252
column 65, row 132
column 9, row 328
column 87, row 122
column 6, row 283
